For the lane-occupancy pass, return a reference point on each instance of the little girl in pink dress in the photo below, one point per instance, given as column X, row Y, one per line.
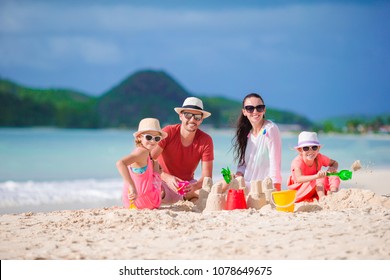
column 142, row 181
column 307, row 178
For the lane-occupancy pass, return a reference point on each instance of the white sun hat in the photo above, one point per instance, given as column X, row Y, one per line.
column 307, row 138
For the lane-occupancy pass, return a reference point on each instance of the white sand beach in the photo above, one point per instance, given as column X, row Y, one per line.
column 351, row 224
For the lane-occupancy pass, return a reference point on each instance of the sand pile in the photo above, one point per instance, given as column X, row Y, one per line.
column 354, row 198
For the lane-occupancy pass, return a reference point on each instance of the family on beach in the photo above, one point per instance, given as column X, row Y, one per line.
column 161, row 168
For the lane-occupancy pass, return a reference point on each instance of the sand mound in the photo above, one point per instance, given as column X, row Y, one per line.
column 354, row 198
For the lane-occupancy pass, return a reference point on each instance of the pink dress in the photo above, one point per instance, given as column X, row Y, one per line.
column 307, row 191
column 148, row 186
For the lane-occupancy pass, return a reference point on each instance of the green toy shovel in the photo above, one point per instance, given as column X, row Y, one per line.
column 343, row 174
column 226, row 175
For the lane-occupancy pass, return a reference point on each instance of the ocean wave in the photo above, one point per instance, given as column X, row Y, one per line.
column 13, row 194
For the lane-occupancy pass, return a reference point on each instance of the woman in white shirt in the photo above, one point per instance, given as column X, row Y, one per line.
column 257, row 143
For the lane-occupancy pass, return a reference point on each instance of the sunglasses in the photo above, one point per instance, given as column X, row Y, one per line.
column 307, row 148
column 197, row 117
column 151, row 137
column 251, row 109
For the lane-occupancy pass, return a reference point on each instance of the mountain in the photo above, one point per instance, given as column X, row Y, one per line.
column 143, row 94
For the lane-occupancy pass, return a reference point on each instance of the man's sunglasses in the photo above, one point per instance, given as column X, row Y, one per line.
column 307, row 148
column 189, row 115
column 150, row 137
column 250, row 108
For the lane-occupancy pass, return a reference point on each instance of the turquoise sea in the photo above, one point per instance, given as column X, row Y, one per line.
column 45, row 169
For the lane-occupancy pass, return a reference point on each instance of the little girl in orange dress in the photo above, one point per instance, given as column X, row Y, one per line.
column 307, row 178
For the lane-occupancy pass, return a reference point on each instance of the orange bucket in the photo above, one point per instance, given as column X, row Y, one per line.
column 284, row 201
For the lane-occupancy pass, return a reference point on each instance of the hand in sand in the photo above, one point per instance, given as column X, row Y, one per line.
column 132, row 194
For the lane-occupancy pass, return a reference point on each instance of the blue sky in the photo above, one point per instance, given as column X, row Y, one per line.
column 316, row 58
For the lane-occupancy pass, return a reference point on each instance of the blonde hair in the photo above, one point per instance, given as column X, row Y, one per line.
column 138, row 141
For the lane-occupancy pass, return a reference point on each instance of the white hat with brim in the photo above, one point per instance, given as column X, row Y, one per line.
column 307, row 138
column 193, row 104
column 150, row 124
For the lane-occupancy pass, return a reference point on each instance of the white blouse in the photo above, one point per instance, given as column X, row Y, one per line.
column 263, row 155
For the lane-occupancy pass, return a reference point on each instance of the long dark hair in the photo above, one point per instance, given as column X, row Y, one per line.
column 243, row 128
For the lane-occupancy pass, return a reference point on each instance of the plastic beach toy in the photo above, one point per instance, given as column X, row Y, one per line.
column 235, row 200
column 284, row 200
column 132, row 205
column 181, row 187
column 343, row 174
column 226, row 175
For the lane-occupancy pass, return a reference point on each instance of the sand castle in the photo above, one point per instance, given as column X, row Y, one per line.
column 268, row 188
column 204, row 193
column 256, row 198
column 216, row 198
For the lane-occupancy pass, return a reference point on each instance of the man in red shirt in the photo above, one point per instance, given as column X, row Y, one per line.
column 180, row 153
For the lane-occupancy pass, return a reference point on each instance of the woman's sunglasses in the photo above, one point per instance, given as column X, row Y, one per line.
column 188, row 116
column 251, row 109
column 307, row 148
column 150, row 137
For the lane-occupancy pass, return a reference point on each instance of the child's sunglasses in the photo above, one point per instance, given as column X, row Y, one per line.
column 307, row 148
column 251, row 109
column 150, row 137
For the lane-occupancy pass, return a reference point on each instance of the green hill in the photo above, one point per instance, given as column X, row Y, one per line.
column 23, row 106
column 144, row 94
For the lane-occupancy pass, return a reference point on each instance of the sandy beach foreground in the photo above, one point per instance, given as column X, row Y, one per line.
column 351, row 224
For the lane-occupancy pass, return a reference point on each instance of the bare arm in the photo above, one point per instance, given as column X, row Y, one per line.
column 156, row 152
column 135, row 157
column 169, row 179
column 307, row 178
column 333, row 166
